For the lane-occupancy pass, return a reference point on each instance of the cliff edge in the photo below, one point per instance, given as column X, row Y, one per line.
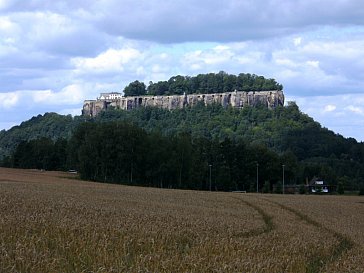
column 237, row 99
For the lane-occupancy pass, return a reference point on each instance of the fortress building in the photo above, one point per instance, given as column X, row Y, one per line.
column 236, row 99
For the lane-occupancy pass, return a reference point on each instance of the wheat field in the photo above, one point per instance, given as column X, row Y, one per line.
column 51, row 222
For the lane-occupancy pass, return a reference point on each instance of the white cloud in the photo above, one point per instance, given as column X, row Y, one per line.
column 7, row 41
column 157, row 68
column 221, row 48
column 5, row 4
column 71, row 94
column 219, row 55
column 70, row 111
column 329, row 108
column 314, row 64
column 9, row 99
column 45, row 21
column 284, row 62
column 356, row 109
column 297, row 41
column 6, row 25
column 110, row 60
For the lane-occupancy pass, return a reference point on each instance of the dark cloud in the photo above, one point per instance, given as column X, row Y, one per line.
column 172, row 21
column 31, row 70
column 57, row 34
column 42, row 5
column 222, row 21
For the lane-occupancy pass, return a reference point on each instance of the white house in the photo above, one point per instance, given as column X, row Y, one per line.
column 319, row 186
column 110, row 96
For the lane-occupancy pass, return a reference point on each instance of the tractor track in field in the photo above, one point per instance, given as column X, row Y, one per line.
column 317, row 261
column 268, row 221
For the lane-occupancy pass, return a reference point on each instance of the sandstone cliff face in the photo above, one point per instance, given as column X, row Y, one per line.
column 238, row 99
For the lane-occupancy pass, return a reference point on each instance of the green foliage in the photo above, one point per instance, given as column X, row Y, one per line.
column 135, row 88
column 340, row 188
column 41, row 153
column 361, row 189
column 302, row 189
column 252, row 186
column 212, row 83
column 278, row 188
column 6, row 162
column 49, row 125
column 266, row 187
column 119, row 152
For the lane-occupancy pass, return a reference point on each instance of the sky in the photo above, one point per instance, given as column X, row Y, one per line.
column 55, row 54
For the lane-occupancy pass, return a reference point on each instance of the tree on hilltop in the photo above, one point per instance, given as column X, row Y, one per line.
column 135, row 88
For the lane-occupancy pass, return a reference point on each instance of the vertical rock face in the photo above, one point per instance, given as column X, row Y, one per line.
column 236, row 99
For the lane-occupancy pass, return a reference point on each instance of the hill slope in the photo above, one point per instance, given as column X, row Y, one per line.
column 285, row 130
column 49, row 125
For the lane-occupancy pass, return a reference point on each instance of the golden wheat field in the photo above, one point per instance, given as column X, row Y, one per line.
column 51, row 222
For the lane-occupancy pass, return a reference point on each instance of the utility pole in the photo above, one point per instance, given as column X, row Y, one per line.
column 283, row 177
column 210, row 176
column 257, row 177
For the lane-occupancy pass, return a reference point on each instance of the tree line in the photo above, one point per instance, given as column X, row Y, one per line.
column 42, row 153
column 311, row 149
column 119, row 152
column 203, row 84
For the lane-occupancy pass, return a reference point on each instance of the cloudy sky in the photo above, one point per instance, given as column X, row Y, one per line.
column 54, row 54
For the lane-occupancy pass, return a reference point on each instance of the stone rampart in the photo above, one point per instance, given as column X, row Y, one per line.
column 237, row 99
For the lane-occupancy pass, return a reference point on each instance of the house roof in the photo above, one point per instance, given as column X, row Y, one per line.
column 317, row 182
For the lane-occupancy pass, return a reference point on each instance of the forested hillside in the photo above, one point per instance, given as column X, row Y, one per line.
column 49, row 125
column 152, row 146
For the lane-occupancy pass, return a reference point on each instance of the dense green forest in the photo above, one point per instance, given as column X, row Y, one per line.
column 119, row 152
column 203, row 84
column 49, row 125
column 158, row 147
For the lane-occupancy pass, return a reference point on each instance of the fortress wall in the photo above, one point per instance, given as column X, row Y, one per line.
column 238, row 99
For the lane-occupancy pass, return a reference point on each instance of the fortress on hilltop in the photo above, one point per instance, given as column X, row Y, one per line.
column 236, row 99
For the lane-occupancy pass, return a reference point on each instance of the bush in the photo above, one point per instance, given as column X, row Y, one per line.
column 340, row 188
column 253, row 187
column 361, row 189
column 266, row 187
column 302, row 189
column 278, row 188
